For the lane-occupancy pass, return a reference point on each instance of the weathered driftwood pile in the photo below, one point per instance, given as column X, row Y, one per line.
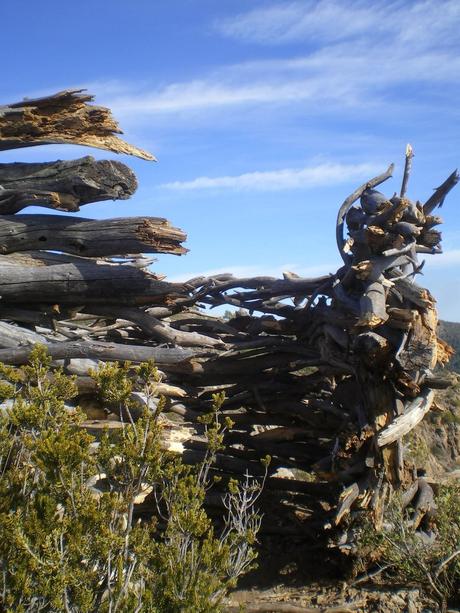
column 326, row 375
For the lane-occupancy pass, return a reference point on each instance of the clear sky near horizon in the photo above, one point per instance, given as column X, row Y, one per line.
column 264, row 116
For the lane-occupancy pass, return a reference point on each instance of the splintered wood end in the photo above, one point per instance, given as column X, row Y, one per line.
column 63, row 118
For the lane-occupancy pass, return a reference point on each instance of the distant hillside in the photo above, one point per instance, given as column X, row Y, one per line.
column 449, row 331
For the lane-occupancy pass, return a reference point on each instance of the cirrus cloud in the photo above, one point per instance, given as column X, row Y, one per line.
column 421, row 22
column 286, row 178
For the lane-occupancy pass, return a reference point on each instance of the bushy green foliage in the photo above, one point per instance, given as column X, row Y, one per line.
column 69, row 536
column 418, row 450
column 410, row 556
column 449, row 417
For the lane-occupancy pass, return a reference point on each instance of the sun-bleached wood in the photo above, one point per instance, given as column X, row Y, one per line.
column 89, row 237
column 62, row 118
column 63, row 185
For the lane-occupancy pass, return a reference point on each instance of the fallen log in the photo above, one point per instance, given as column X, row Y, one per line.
column 413, row 415
column 63, row 118
column 88, row 237
column 94, row 350
column 82, row 283
column 53, row 258
column 159, row 330
column 42, row 317
column 63, row 185
column 14, row 336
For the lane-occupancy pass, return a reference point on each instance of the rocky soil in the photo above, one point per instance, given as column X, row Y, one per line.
column 330, row 598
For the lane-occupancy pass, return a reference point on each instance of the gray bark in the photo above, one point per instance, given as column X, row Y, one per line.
column 63, row 185
column 413, row 414
column 102, row 351
column 89, row 237
column 81, row 283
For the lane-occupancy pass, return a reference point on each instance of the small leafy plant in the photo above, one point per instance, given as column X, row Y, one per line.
column 71, row 538
column 412, row 557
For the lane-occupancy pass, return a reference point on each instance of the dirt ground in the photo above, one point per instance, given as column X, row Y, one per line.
column 329, row 598
column 287, row 581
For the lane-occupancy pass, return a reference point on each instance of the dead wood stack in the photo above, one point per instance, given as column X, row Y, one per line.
column 326, row 375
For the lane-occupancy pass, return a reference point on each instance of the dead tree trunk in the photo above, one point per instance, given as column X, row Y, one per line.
column 88, row 237
column 326, row 375
column 64, row 118
column 63, row 185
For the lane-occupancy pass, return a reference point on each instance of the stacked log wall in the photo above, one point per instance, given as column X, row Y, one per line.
column 326, row 375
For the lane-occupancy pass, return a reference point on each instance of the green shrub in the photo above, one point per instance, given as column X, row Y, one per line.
column 418, row 450
column 69, row 536
column 449, row 417
column 411, row 557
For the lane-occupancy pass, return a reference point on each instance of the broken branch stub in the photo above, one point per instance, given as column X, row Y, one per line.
column 63, row 118
column 63, row 185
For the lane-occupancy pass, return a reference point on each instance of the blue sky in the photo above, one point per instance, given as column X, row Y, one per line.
column 264, row 116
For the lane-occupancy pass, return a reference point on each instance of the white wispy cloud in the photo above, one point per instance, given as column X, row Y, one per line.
column 286, row 178
column 355, row 75
column 290, row 21
column 419, row 23
column 357, row 52
column 211, row 93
